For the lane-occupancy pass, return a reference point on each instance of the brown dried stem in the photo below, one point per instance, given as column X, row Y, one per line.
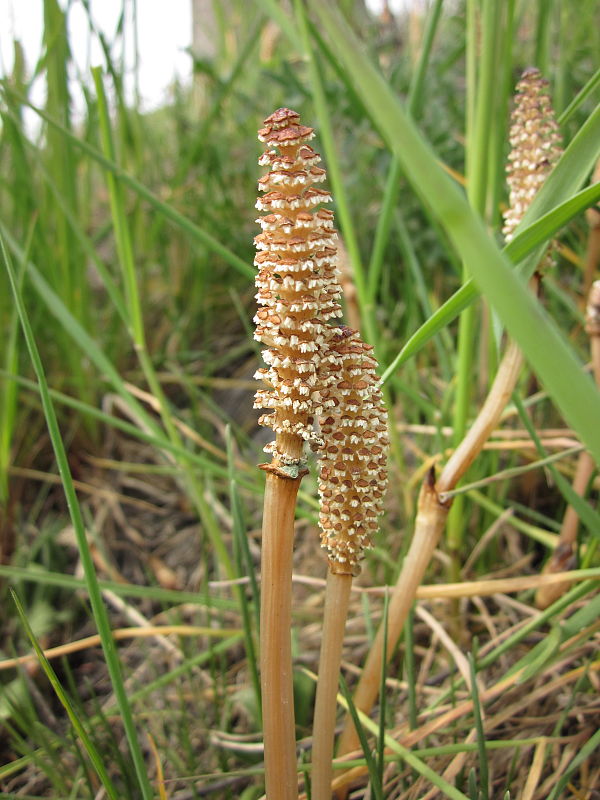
column 487, row 419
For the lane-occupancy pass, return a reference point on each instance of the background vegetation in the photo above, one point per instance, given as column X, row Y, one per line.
column 130, row 496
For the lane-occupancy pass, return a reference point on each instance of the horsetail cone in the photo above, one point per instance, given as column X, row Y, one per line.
column 297, row 285
column 316, row 371
column 353, row 460
column 535, row 146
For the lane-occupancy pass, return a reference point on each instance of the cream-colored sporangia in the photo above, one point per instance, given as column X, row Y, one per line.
column 353, row 459
column 535, row 146
column 297, row 285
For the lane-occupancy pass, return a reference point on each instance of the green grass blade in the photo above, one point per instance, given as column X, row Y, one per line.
column 244, row 565
column 382, row 695
column 81, row 337
column 410, row 669
column 98, row 609
column 86, row 246
column 376, row 787
column 8, row 393
column 589, row 88
column 481, row 748
column 81, row 732
column 583, row 753
column 444, row 315
column 119, row 218
column 550, row 222
column 34, row 574
column 416, row 97
column 512, row 472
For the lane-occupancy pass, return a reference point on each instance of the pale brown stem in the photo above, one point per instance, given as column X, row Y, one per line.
column 337, row 598
column 583, row 473
column 429, row 524
column 279, row 727
column 487, row 419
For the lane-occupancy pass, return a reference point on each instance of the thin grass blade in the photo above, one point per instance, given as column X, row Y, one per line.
column 81, row 732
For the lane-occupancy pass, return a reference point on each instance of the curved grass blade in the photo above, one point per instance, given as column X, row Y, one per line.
column 372, row 766
column 585, row 92
column 587, row 516
column 34, row 574
column 584, row 753
column 161, row 443
column 481, row 745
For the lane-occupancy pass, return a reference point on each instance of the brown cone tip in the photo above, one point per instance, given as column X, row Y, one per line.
column 297, row 288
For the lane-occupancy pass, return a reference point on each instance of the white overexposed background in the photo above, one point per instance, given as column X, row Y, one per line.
column 164, row 31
